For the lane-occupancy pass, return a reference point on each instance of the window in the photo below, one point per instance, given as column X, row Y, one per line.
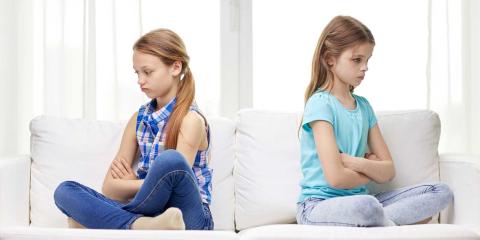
column 285, row 34
column 198, row 24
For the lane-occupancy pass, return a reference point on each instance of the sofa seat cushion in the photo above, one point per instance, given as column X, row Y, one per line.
column 417, row 232
column 41, row 233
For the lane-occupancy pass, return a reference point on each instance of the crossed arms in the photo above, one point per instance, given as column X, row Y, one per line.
column 121, row 182
column 344, row 171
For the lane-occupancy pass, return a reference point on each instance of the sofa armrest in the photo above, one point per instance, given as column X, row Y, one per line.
column 14, row 190
column 462, row 174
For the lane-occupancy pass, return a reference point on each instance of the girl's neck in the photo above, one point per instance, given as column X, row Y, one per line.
column 163, row 101
column 341, row 90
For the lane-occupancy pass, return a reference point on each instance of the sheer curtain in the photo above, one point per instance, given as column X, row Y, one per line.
column 396, row 69
column 426, row 57
column 73, row 59
column 454, row 73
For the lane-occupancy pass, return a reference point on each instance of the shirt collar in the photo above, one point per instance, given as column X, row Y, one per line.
column 154, row 118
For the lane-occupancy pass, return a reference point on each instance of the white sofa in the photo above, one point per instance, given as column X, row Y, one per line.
column 256, row 179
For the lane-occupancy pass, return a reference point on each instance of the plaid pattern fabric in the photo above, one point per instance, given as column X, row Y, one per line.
column 151, row 136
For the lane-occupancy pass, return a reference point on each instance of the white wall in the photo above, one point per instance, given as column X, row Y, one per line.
column 8, row 74
column 474, row 59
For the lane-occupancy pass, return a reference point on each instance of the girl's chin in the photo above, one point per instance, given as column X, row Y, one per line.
column 356, row 83
column 150, row 96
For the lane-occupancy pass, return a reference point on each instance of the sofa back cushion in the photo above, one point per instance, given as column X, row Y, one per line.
column 412, row 138
column 82, row 150
column 267, row 171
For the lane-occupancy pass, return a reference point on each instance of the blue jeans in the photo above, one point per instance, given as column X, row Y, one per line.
column 170, row 182
column 401, row 206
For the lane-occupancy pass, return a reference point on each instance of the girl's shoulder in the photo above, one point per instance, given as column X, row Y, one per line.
column 320, row 101
column 321, row 95
column 320, row 98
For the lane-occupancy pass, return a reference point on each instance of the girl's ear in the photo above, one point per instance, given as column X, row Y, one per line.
column 330, row 61
column 176, row 68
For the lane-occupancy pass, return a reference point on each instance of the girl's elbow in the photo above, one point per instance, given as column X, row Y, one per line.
column 392, row 173
column 387, row 178
column 334, row 182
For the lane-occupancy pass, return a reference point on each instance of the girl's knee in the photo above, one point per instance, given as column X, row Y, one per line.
column 370, row 211
column 64, row 190
column 170, row 160
column 445, row 191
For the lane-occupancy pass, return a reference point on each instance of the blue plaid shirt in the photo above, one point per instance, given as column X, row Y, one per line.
column 151, row 137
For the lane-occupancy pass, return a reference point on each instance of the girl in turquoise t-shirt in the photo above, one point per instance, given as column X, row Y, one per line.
column 336, row 128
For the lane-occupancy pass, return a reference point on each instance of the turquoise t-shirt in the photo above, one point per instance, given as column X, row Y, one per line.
column 351, row 133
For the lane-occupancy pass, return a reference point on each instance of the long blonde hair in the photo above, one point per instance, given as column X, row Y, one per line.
column 169, row 47
column 341, row 33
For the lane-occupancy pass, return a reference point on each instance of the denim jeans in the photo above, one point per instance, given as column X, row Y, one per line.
column 170, row 182
column 401, row 206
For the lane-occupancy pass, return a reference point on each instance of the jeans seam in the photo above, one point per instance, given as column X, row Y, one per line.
column 128, row 225
column 155, row 188
column 407, row 190
column 310, row 222
column 107, row 202
column 306, row 219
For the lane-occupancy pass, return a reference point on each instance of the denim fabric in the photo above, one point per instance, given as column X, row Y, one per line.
column 170, row 182
column 401, row 206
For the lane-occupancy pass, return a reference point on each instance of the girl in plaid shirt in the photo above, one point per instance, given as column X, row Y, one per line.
column 170, row 139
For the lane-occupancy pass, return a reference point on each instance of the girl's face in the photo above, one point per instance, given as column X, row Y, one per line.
column 156, row 79
column 349, row 68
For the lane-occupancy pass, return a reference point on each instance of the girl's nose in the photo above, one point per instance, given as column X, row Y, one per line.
column 140, row 80
column 364, row 67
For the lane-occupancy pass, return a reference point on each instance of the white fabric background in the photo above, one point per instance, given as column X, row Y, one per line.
column 46, row 68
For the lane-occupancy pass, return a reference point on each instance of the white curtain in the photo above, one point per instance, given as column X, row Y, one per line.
column 454, row 73
column 74, row 61
column 68, row 59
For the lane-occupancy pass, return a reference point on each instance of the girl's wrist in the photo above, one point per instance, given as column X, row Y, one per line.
column 359, row 163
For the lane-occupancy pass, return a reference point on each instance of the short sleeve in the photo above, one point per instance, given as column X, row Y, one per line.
column 317, row 108
column 372, row 119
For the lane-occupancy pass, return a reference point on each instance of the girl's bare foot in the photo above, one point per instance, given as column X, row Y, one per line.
column 424, row 221
column 171, row 219
column 74, row 224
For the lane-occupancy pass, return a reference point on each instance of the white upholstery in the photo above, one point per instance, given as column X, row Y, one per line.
column 267, row 171
column 222, row 159
column 412, row 138
column 14, row 190
column 81, row 150
column 67, row 149
column 42, row 233
column 414, row 232
column 255, row 181
column 462, row 174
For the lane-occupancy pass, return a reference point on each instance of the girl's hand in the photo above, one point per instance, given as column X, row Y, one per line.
column 121, row 170
column 349, row 161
